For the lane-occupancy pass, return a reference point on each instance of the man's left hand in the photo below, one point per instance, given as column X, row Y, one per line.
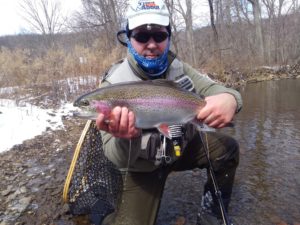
column 218, row 111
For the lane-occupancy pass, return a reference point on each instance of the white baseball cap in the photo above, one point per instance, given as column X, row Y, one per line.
column 141, row 12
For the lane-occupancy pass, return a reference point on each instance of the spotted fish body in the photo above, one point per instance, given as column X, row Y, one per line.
column 153, row 102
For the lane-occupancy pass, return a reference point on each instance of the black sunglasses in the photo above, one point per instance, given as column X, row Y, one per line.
column 144, row 37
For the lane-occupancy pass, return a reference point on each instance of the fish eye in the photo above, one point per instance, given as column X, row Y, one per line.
column 85, row 102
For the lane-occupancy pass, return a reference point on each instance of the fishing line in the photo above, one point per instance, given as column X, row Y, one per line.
column 214, row 181
column 127, row 169
column 128, row 161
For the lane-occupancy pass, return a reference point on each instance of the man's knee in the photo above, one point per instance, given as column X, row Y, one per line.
column 229, row 158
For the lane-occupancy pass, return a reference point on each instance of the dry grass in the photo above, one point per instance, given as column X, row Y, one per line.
column 19, row 67
column 25, row 67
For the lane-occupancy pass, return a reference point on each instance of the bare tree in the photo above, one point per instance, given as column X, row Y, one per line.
column 188, row 19
column 277, row 11
column 173, row 18
column 237, row 10
column 43, row 16
column 212, row 22
column 259, row 43
column 190, row 31
column 102, row 16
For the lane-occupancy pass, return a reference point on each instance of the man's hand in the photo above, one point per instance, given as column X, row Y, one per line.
column 121, row 123
column 218, row 111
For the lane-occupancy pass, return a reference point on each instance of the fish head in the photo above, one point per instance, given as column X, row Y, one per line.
column 81, row 102
column 89, row 108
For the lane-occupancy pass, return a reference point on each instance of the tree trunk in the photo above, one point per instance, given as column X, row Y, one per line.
column 259, row 43
column 190, row 32
column 216, row 49
column 171, row 8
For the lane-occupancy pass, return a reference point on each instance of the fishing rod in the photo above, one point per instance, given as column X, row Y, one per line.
column 214, row 181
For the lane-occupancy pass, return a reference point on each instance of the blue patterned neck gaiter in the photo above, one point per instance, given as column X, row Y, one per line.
column 153, row 67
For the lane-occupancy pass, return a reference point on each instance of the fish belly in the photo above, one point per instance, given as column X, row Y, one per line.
column 151, row 119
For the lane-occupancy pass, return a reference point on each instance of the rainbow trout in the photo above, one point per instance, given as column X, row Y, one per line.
column 155, row 103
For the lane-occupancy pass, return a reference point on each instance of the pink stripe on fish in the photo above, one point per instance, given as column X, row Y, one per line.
column 163, row 102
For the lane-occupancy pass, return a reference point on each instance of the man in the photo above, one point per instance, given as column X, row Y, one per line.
column 136, row 152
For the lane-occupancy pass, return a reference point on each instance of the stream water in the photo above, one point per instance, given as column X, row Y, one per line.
column 267, row 186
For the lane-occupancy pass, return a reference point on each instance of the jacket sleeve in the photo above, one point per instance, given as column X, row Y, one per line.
column 206, row 86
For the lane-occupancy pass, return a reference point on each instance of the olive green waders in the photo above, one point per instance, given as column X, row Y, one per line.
column 141, row 196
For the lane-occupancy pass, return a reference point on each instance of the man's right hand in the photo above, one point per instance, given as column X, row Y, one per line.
column 121, row 123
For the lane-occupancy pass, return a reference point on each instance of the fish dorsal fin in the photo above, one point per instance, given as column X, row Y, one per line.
column 167, row 83
column 157, row 82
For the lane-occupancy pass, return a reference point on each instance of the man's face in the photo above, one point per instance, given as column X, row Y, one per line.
column 149, row 43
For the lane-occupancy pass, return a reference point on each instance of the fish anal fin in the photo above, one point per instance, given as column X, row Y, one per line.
column 164, row 130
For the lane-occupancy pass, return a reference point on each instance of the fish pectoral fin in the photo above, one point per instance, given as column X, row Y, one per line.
column 164, row 130
column 202, row 126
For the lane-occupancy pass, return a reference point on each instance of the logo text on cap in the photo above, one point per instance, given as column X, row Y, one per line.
column 147, row 6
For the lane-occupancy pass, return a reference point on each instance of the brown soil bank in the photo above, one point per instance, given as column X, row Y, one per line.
column 236, row 78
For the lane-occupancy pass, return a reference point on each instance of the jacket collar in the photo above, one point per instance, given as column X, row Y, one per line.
column 138, row 71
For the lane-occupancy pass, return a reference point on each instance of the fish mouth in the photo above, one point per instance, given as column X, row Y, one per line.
column 85, row 115
column 76, row 114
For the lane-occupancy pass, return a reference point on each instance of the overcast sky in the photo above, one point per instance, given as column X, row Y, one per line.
column 11, row 22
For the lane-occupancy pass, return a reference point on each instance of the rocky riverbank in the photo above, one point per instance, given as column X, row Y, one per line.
column 33, row 174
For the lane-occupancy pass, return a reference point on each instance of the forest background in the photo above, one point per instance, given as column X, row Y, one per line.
column 238, row 37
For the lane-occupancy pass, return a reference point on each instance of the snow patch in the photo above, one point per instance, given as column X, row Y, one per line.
column 19, row 122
